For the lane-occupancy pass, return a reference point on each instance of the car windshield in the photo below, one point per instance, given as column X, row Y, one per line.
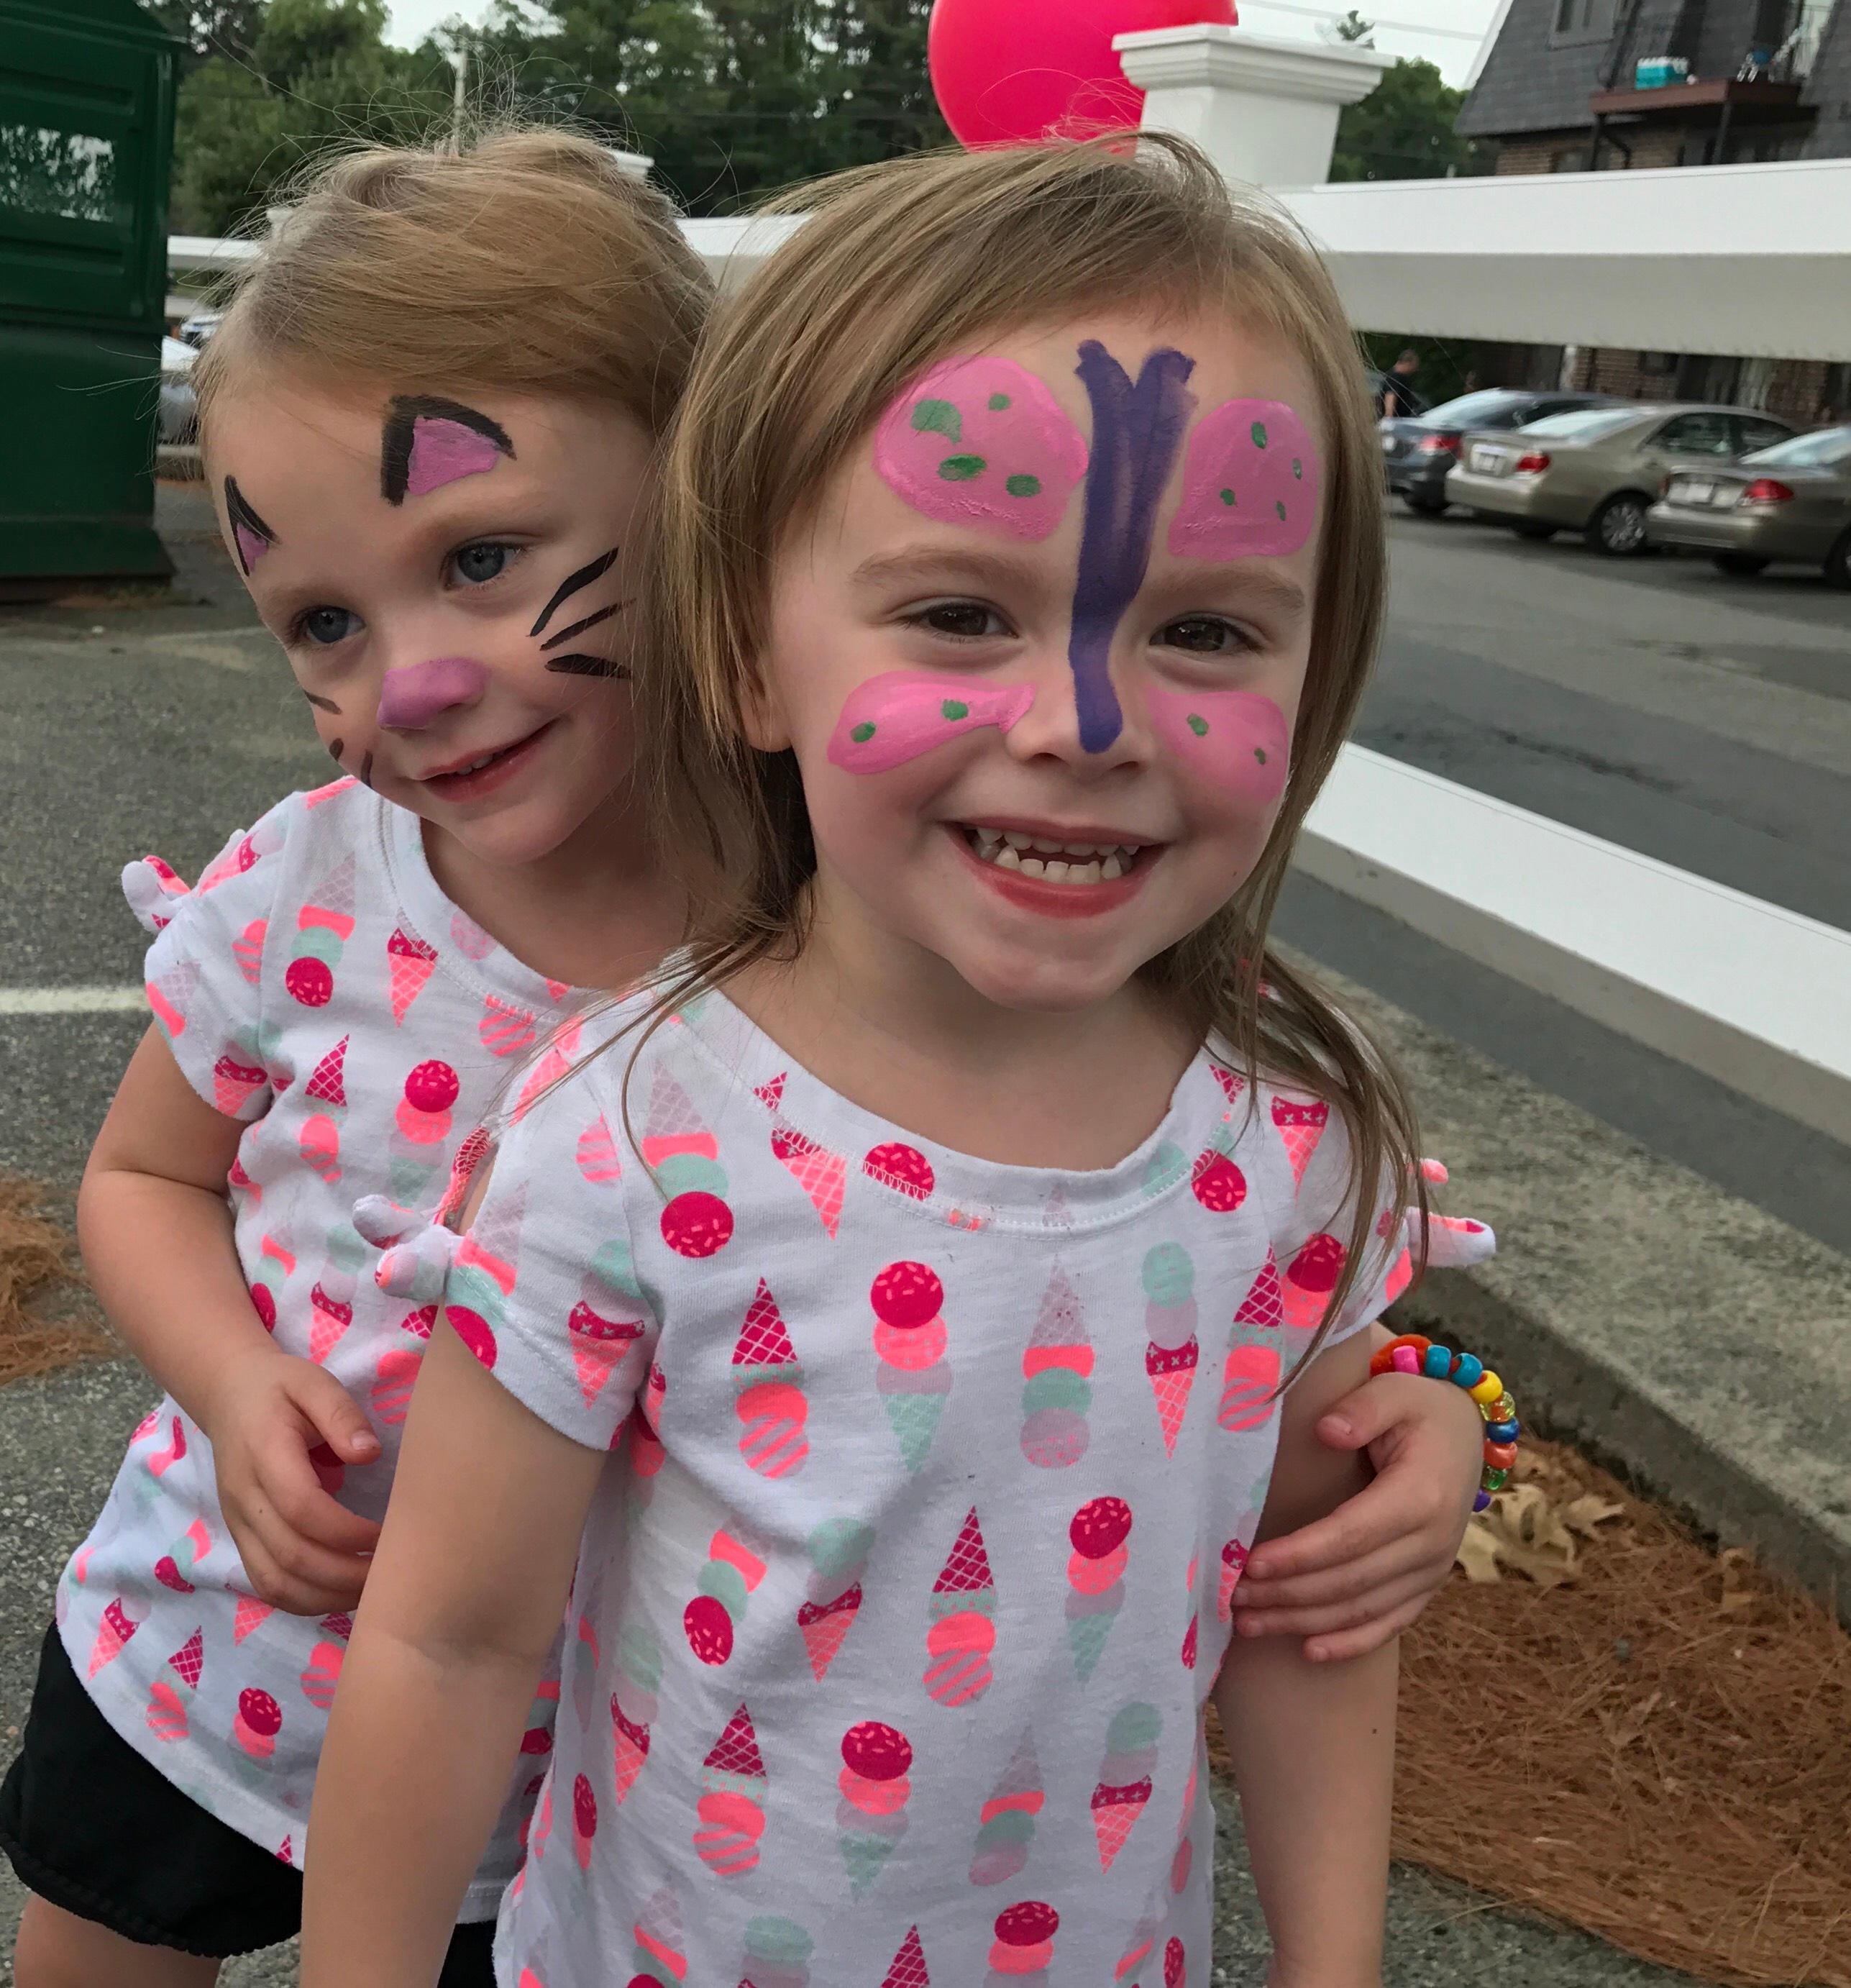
column 1823, row 449
column 1470, row 408
column 1584, row 424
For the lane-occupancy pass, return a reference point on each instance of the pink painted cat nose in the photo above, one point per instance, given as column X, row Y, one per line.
column 411, row 698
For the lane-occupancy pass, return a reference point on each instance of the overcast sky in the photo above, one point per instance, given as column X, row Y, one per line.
column 1461, row 24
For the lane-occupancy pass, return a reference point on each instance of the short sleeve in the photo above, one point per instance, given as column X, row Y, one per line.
column 542, row 1286
column 205, row 971
column 1314, row 1222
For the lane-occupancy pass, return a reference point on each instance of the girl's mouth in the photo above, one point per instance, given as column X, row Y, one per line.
column 1080, row 878
column 483, row 775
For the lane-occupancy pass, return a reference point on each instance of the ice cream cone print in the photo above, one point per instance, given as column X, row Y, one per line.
column 1250, row 1376
column 598, row 1158
column 1175, row 1966
column 607, row 1324
column 732, row 1572
column 909, row 1967
column 328, row 1319
column 183, row 1557
column 584, row 1820
column 248, row 950
column 633, row 1704
column 822, row 1174
column 410, row 962
column 730, row 1813
column 679, row 1150
column 1023, row 1948
column 1005, row 1826
column 395, row 1375
column 255, row 1725
column 904, row 1169
column 777, row 1953
column 910, row 1340
column 171, row 994
column 659, row 1941
column 767, row 1390
column 1141, row 1944
column 250, row 1615
column 1169, row 1318
column 1057, row 1372
column 870, row 1818
column 672, row 1128
column 238, row 1076
column 583, row 1658
column 1300, row 1122
column 1124, row 1791
column 1099, row 1533
column 1232, row 1087
column 276, row 1266
column 170, row 1701
column 963, row 1630
column 1233, row 1563
column 1310, row 1278
column 321, row 1675
column 838, row 1550
column 319, row 1140
column 1216, row 1182
column 506, row 1030
column 323, row 925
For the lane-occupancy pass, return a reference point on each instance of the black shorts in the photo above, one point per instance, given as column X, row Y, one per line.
column 92, row 1827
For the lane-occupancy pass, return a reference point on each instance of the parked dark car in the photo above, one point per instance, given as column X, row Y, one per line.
column 1418, row 450
column 1792, row 501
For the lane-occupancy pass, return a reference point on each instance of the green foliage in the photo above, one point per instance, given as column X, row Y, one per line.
column 732, row 98
column 1404, row 129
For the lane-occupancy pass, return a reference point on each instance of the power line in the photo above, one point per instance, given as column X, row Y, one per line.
column 1397, row 27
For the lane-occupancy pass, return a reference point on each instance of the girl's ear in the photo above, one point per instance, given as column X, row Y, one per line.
column 761, row 715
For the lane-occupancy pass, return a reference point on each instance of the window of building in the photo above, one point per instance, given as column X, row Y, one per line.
column 1582, row 21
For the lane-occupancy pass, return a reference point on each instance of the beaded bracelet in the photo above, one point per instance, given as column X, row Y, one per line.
column 1411, row 1353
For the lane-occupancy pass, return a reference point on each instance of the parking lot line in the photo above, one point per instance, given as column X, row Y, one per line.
column 71, row 1000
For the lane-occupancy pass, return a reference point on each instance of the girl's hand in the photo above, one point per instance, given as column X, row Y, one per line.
column 1352, row 1581
column 281, row 1428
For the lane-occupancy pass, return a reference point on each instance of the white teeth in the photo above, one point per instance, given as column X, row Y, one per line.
column 1082, row 872
column 1009, row 859
column 1070, row 863
column 1111, row 870
column 1018, row 841
column 1056, row 873
column 987, row 839
column 1032, row 866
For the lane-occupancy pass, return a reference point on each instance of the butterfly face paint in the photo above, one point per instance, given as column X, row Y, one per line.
column 1235, row 740
column 428, row 441
column 251, row 536
column 1250, row 485
column 895, row 718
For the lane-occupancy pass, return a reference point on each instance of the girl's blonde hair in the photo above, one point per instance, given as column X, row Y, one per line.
column 900, row 264
column 527, row 260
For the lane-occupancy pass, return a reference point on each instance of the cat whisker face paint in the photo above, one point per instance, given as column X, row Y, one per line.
column 577, row 663
column 428, row 441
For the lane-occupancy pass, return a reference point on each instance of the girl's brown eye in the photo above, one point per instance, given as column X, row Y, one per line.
column 960, row 617
column 1203, row 634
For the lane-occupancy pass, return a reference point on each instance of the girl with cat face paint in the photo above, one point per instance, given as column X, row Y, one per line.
column 429, row 419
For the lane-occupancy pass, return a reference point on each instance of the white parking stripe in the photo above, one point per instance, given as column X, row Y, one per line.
column 71, row 1000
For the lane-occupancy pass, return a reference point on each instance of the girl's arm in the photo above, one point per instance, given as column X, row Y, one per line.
column 1354, row 1579
column 466, row 1595
column 1312, row 1744
column 157, row 1241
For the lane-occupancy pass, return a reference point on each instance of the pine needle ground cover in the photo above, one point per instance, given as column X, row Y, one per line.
column 46, row 1320
column 1604, row 1722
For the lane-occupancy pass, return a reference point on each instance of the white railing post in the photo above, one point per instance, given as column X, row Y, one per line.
column 1265, row 110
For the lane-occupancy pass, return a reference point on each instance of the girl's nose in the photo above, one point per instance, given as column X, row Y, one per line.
column 418, row 694
column 1056, row 725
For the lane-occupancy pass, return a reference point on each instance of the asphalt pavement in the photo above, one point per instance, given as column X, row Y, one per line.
column 1704, row 719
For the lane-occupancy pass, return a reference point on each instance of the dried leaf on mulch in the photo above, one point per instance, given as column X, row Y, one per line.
column 1607, row 1723
column 45, row 1321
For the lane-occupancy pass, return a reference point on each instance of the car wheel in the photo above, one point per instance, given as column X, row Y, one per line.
column 1745, row 563
column 1838, row 563
column 1532, row 529
column 1618, row 528
column 1426, row 507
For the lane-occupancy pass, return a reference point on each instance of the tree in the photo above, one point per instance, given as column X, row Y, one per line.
column 1353, row 28
column 1404, row 129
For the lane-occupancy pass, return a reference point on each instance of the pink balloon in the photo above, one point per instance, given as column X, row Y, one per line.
column 1015, row 71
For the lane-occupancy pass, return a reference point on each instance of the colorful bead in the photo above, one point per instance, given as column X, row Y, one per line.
column 1502, row 1410
column 1406, row 1360
column 1480, row 1500
column 1495, row 1480
column 1486, row 1390
column 1469, row 1372
column 1438, row 1364
column 1500, row 1456
column 1502, row 1431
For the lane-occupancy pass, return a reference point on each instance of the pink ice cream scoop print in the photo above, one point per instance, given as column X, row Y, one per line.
column 981, row 443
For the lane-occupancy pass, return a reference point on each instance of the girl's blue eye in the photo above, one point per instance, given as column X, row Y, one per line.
column 1203, row 635
column 326, row 626
column 475, row 565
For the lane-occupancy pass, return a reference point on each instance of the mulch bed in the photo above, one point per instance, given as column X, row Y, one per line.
column 45, row 1318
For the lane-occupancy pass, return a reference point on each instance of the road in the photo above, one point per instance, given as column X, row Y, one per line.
column 1706, row 720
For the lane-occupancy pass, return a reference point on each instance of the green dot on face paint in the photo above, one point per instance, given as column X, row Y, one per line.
column 1259, row 432
column 962, row 468
column 861, row 734
column 952, row 709
column 998, row 402
column 938, row 417
column 1198, row 726
column 1259, row 752
column 1297, row 469
column 1023, row 486
column 1281, row 509
column 1226, row 496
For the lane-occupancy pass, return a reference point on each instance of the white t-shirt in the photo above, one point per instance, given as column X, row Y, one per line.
column 910, row 1572
column 317, row 984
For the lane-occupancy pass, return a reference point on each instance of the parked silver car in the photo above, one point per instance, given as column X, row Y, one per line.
column 1792, row 501
column 1598, row 471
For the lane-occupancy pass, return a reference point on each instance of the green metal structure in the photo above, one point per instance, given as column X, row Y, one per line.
column 86, row 134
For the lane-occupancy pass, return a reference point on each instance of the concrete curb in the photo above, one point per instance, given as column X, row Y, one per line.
column 1694, row 1342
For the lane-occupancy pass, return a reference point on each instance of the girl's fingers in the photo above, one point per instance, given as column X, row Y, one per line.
column 1358, row 1642
column 295, row 1493
column 338, row 1419
column 1402, row 1557
column 294, row 1596
column 1360, row 1611
column 1396, row 1506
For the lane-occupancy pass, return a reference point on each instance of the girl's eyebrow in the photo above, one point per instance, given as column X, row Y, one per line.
column 1249, row 582
column 935, row 564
